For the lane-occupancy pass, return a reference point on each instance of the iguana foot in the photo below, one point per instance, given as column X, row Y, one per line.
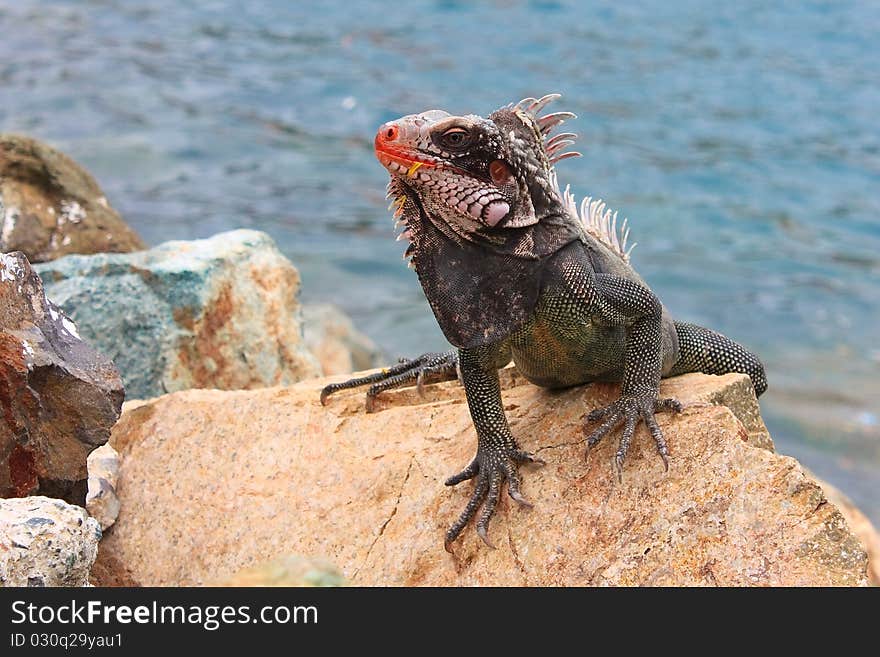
column 490, row 468
column 630, row 409
column 427, row 368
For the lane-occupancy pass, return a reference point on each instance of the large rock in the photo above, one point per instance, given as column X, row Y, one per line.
column 860, row 525
column 50, row 206
column 291, row 570
column 339, row 347
column 213, row 482
column 46, row 542
column 214, row 313
column 59, row 397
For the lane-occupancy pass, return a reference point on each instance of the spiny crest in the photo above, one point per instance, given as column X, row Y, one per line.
column 398, row 204
column 552, row 145
column 599, row 221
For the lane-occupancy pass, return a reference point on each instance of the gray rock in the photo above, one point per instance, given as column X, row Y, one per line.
column 59, row 397
column 214, row 313
column 340, row 348
column 46, row 542
column 50, row 206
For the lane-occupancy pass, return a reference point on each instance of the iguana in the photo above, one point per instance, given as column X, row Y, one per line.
column 513, row 269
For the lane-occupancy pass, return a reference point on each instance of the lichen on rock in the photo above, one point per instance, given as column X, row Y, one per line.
column 46, row 542
column 291, row 570
column 218, row 313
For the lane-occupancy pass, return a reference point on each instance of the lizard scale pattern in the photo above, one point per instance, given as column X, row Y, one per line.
column 514, row 270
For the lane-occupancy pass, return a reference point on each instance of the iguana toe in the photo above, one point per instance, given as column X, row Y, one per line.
column 491, row 470
column 427, row 368
column 630, row 410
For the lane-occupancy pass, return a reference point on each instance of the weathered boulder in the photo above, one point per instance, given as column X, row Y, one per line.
column 860, row 525
column 59, row 397
column 291, row 570
column 339, row 347
column 225, row 480
column 50, row 206
column 213, row 313
column 102, row 503
column 46, row 542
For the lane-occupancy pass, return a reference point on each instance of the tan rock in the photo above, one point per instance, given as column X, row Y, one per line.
column 860, row 525
column 288, row 571
column 340, row 348
column 214, row 482
column 738, row 396
column 102, row 502
column 107, row 571
column 50, row 206
column 104, row 463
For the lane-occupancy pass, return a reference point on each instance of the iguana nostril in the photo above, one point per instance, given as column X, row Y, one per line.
column 390, row 133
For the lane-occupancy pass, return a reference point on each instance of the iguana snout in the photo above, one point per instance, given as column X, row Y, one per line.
column 402, row 145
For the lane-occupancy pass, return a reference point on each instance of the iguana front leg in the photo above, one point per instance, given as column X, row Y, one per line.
column 618, row 301
column 427, row 368
column 498, row 454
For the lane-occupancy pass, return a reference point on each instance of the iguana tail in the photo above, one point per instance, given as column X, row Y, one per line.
column 703, row 350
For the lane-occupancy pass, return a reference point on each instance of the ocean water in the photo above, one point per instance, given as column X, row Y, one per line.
column 741, row 139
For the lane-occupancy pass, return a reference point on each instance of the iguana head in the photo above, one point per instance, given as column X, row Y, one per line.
column 477, row 178
column 482, row 211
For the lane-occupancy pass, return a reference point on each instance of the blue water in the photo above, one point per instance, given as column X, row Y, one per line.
column 741, row 139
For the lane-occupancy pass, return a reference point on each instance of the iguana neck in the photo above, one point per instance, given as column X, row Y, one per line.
column 481, row 291
column 425, row 228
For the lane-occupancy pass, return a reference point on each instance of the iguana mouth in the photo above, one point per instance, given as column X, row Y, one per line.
column 400, row 161
column 405, row 161
column 397, row 158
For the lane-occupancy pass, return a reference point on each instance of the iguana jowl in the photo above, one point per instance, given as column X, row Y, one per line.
column 513, row 270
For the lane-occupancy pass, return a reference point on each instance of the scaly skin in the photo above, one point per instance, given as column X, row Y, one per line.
column 513, row 272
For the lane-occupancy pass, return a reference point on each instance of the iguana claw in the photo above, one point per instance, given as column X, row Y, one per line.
column 482, row 531
column 430, row 367
column 630, row 409
column 490, row 470
column 519, row 499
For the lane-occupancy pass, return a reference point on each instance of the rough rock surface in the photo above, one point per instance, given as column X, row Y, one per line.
column 50, row 206
column 213, row 313
column 225, row 480
column 59, row 398
column 291, row 570
column 102, row 502
column 46, row 542
column 340, row 348
column 860, row 525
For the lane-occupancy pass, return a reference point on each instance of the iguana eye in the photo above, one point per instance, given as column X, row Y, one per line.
column 455, row 138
